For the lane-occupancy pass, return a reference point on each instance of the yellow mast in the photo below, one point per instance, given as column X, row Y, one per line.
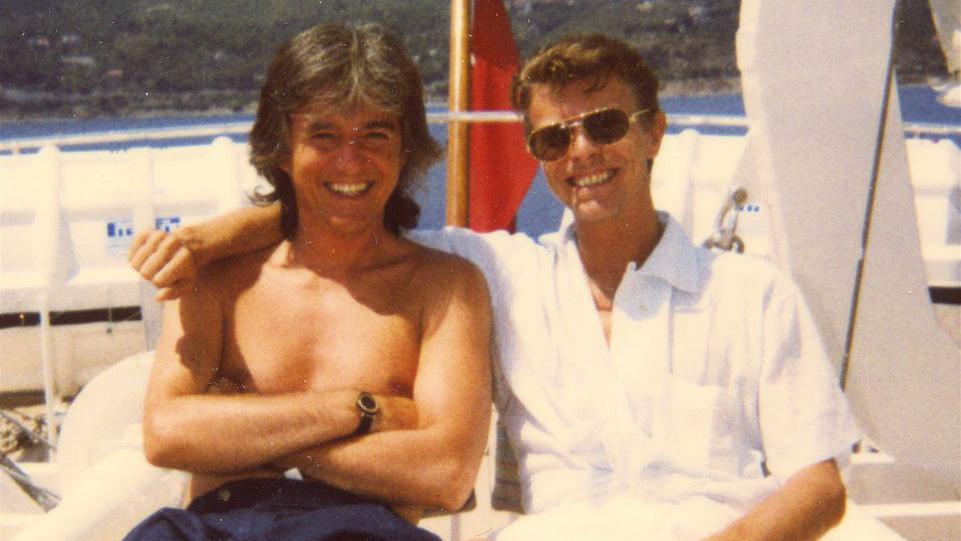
column 458, row 97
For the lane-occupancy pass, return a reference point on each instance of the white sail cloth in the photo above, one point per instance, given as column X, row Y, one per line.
column 714, row 389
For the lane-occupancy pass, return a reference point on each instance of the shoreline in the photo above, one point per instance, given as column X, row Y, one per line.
column 19, row 107
column 12, row 116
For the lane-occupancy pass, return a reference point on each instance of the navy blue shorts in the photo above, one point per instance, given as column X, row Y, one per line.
column 279, row 509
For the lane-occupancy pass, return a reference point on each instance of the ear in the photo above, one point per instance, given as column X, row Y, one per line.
column 655, row 133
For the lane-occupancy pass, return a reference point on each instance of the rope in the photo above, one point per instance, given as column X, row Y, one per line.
column 15, row 433
column 24, row 434
column 44, row 498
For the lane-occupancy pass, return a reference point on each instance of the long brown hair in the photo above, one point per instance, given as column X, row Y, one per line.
column 340, row 66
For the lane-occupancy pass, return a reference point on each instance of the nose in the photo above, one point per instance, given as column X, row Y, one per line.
column 350, row 157
column 581, row 145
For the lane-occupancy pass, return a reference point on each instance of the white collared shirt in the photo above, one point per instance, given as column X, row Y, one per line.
column 715, row 383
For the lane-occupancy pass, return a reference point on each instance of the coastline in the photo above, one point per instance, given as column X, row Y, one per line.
column 716, row 96
column 19, row 107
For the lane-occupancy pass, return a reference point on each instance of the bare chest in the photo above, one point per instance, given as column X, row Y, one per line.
column 282, row 336
column 603, row 303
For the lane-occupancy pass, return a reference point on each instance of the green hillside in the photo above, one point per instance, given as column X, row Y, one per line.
column 109, row 57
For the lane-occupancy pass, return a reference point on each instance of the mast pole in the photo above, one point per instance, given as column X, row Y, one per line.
column 458, row 97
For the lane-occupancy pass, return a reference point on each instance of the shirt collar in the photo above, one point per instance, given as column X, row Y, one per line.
column 673, row 260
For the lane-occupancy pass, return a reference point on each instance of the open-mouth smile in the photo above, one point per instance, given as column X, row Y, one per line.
column 591, row 180
column 348, row 189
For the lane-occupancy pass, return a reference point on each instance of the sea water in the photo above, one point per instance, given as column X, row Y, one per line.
column 539, row 212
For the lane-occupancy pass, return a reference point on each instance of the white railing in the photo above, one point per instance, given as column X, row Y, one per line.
column 67, row 219
column 121, row 136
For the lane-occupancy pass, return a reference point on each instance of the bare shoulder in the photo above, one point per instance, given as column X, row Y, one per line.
column 454, row 302
column 445, row 272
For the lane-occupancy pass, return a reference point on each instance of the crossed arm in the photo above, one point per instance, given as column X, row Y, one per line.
column 423, row 450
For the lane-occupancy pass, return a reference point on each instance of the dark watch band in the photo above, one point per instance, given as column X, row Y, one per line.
column 368, row 407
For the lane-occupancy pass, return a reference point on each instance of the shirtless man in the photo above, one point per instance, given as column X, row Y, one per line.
column 375, row 387
column 651, row 389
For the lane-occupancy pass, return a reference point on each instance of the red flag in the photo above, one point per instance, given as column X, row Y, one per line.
column 501, row 169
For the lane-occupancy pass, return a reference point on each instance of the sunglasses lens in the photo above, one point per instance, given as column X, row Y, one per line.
column 602, row 127
column 550, row 143
column 607, row 126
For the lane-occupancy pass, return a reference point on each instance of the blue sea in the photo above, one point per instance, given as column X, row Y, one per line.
column 539, row 212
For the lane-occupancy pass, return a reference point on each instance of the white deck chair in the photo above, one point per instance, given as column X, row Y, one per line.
column 107, row 485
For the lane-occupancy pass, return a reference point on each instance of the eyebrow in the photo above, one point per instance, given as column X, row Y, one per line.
column 381, row 124
column 378, row 124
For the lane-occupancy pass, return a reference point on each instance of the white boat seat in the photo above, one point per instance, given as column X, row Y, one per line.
column 108, row 486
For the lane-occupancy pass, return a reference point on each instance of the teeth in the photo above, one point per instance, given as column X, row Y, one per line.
column 591, row 180
column 352, row 188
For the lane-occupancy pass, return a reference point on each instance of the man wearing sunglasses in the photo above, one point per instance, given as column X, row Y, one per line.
column 649, row 388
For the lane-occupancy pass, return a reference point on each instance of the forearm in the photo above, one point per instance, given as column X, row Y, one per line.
column 809, row 504
column 421, row 467
column 238, row 232
column 225, row 434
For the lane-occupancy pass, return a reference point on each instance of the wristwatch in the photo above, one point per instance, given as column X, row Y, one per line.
column 369, row 408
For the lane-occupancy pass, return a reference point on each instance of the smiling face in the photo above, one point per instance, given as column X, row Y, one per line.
column 599, row 182
column 344, row 166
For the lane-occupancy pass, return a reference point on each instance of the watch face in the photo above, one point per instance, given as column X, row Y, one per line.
column 367, row 403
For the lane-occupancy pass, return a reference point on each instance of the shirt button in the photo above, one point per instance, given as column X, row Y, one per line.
column 223, row 494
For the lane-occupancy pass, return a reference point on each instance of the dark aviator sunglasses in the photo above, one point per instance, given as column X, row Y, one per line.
column 603, row 127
